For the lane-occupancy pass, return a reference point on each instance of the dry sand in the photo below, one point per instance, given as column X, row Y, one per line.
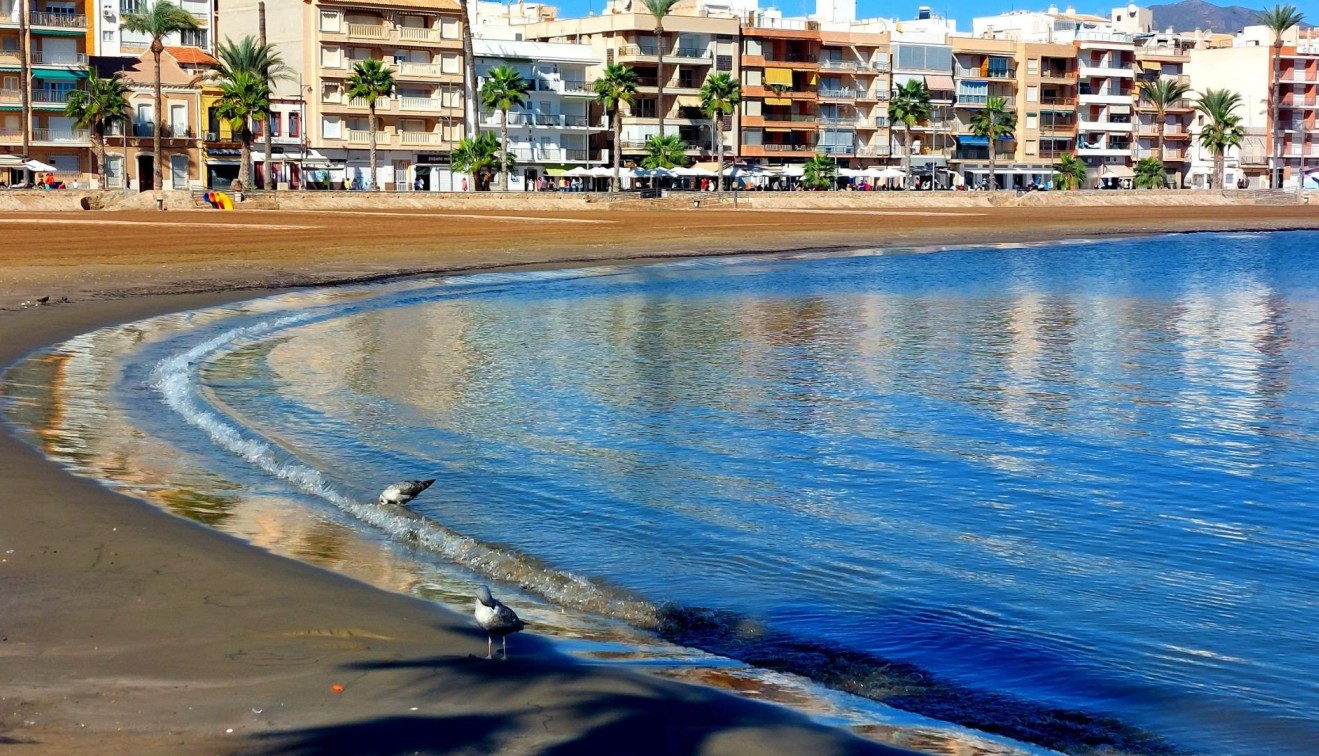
column 127, row 630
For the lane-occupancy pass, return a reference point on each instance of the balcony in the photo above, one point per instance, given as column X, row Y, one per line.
column 60, row 136
column 1105, row 71
column 382, row 104
column 408, row 70
column 51, row 96
column 368, row 31
column 1058, row 102
column 59, row 20
column 788, row 147
column 419, row 34
column 422, row 104
column 1087, row 38
column 846, row 93
column 564, row 86
column 552, row 154
column 873, row 151
column 545, row 120
column 1103, row 150
column 1169, row 154
column 837, row 123
column 639, row 145
column 1057, row 75
column 11, row 136
column 855, row 66
column 43, row 58
column 409, row 138
column 11, row 95
column 383, row 138
column 675, row 54
column 1105, row 125
column 972, row 101
column 1105, row 97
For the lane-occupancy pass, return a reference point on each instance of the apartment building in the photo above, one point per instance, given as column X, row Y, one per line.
column 933, row 143
column 554, row 131
column 56, row 44
column 1246, row 70
column 112, row 40
column 694, row 46
column 853, row 94
column 781, row 97
column 321, row 42
column 1164, row 56
column 1297, row 90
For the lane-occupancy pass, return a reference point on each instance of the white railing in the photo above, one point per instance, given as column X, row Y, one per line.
column 364, row 137
column 428, row 104
column 846, row 93
column 418, row 69
column 368, row 31
column 43, row 58
column 60, row 20
column 419, row 34
column 420, row 137
column 59, row 135
column 1102, row 36
column 11, row 95
column 382, row 104
column 1104, row 70
column 51, row 96
column 1101, row 125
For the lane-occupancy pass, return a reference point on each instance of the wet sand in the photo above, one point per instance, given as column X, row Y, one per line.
column 127, row 630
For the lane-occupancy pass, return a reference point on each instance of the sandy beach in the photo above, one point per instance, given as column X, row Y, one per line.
column 124, row 629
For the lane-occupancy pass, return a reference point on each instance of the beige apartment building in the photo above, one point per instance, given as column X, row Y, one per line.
column 1164, row 56
column 418, row 40
column 695, row 47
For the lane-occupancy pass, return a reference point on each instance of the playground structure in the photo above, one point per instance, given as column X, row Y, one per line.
column 218, row 200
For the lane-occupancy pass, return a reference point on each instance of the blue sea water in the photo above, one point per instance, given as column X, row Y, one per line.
column 1062, row 492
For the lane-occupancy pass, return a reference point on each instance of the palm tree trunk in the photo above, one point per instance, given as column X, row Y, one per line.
column 99, row 141
column 271, row 183
column 1273, row 103
column 993, row 179
column 1220, row 168
column 371, row 179
column 618, row 136
column 126, row 125
column 157, row 173
column 25, row 82
column 906, row 151
column 718, row 156
column 659, row 79
column 245, row 158
column 503, row 150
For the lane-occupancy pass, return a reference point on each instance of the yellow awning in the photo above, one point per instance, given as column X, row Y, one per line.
column 778, row 76
column 815, row 78
column 777, row 130
column 1151, row 65
column 777, row 101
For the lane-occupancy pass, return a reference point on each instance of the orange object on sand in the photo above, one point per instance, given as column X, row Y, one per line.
column 337, row 688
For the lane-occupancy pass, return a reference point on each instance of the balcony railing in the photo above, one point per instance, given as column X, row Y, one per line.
column 59, row 135
column 873, row 151
column 364, row 137
column 837, row 123
column 11, row 95
column 426, row 104
column 551, row 155
column 543, row 119
column 43, row 58
column 8, row 136
column 420, row 137
column 368, row 31
column 1059, row 101
column 51, row 96
column 382, row 104
column 787, row 147
column 845, row 93
column 790, row 58
column 419, row 34
column 837, row 149
column 59, row 20
column 418, row 69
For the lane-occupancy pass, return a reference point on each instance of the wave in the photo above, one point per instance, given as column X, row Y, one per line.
column 732, row 635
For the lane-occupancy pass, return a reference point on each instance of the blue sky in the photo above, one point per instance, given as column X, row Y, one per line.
column 962, row 10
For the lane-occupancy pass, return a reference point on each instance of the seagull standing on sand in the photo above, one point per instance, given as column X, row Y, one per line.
column 404, row 491
column 495, row 619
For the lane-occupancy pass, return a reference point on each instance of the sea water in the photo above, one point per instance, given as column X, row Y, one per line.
column 1061, row 493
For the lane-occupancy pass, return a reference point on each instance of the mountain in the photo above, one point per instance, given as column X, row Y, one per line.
column 1189, row 15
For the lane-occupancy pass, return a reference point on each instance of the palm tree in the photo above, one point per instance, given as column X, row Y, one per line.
column 616, row 88
column 820, row 172
column 93, row 108
column 1278, row 19
column 909, row 106
column 244, row 97
column 1070, row 172
column 469, row 73
column 659, row 9
column 479, row 156
column 371, row 81
column 994, row 122
column 504, row 88
column 1150, row 174
column 250, row 54
column 1162, row 93
column 1224, row 128
column 719, row 96
column 664, row 152
column 160, row 20
column 24, row 82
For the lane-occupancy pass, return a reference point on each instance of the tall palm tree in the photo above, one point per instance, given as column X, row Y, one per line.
column 1224, row 128
column 616, row 88
column 719, row 96
column 659, row 9
column 160, row 20
column 469, row 73
column 24, row 83
column 820, row 172
column 664, row 152
column 477, row 156
column 1278, row 19
column 504, row 88
column 94, row 108
column 909, row 106
column 244, row 98
column 371, row 81
column 260, row 58
column 994, row 123
column 1070, row 172
column 1163, row 93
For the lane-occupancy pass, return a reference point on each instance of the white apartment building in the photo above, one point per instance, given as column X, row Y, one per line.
column 553, row 131
column 112, row 40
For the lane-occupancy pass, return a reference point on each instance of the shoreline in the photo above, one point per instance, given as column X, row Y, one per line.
column 129, row 629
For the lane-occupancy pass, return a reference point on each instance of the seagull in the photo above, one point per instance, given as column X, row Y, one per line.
column 43, row 300
column 404, row 491
column 495, row 619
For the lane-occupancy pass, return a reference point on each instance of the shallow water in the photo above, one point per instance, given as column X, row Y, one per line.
column 1064, row 493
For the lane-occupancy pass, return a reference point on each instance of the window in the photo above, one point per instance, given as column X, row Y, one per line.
column 1032, row 94
column 194, row 38
column 330, row 92
column 331, row 127
column 106, row 36
column 330, row 21
column 723, row 63
column 276, row 120
column 258, row 128
column 753, row 47
column 1031, row 148
column 449, row 28
column 295, row 125
column 1033, row 66
column 754, row 77
column 331, row 57
column 450, row 64
column 451, row 98
column 1032, row 121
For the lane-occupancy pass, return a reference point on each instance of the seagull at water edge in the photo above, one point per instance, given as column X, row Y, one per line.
column 404, row 491
column 495, row 619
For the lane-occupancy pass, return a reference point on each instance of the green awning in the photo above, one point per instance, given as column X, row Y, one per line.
column 59, row 75
column 59, row 32
column 11, row 106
